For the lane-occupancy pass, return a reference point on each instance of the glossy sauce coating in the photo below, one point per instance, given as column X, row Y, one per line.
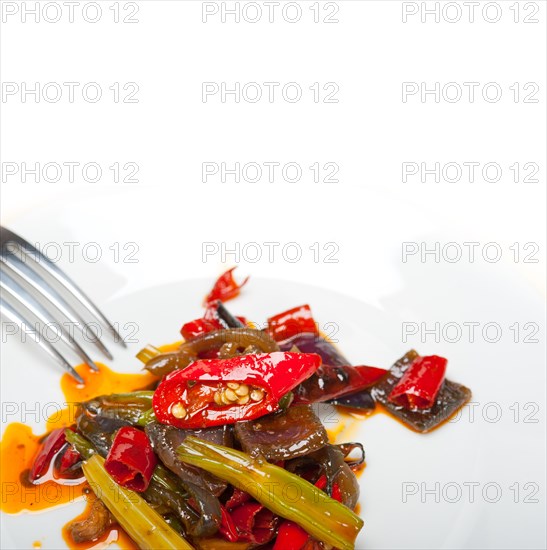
column 19, row 446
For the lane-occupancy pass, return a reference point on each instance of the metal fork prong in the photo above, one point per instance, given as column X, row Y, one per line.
column 43, row 261
column 18, row 293
column 7, row 311
column 24, row 272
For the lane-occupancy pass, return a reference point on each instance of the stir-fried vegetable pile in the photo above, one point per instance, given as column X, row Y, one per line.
column 227, row 451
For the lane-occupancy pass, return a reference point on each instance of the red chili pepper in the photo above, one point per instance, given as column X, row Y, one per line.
column 330, row 382
column 199, row 396
column 51, row 445
column 64, row 466
column 254, row 523
column 225, row 288
column 210, row 321
column 131, row 460
column 290, row 537
column 238, row 497
column 227, row 526
column 196, row 327
column 321, row 483
column 420, row 384
column 291, row 322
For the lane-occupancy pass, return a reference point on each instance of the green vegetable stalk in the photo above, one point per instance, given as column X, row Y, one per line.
column 143, row 524
column 283, row 493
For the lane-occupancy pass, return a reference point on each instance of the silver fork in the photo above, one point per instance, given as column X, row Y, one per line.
column 24, row 274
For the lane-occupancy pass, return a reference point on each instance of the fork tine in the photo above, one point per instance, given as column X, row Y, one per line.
column 24, row 272
column 10, row 313
column 24, row 298
column 44, row 262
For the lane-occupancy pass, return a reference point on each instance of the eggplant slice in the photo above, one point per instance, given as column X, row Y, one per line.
column 294, row 432
column 451, row 397
column 165, row 441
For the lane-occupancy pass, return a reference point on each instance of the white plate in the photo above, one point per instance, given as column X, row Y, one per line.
column 497, row 458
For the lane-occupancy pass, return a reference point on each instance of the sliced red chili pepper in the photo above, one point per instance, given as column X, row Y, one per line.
column 291, row 322
column 196, row 327
column 420, row 384
column 321, row 483
column 238, row 497
column 254, row 523
column 51, row 445
column 65, row 463
column 290, row 537
column 225, row 288
column 131, row 460
column 209, row 322
column 199, row 396
column 227, row 526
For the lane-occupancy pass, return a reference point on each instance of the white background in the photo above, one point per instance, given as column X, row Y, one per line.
column 369, row 133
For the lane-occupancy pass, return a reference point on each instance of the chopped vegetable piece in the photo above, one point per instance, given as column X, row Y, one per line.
column 322, row 517
column 166, row 439
column 225, row 288
column 295, row 432
column 120, row 406
column 223, row 391
column 254, row 523
column 329, row 383
column 227, row 526
column 147, row 353
column 420, row 384
column 336, row 377
column 362, row 400
column 131, row 460
column 451, row 397
column 192, row 350
column 335, row 470
column 145, row 526
column 94, row 525
column 291, row 323
column 196, row 327
column 290, row 537
column 226, row 318
column 67, row 463
column 51, row 445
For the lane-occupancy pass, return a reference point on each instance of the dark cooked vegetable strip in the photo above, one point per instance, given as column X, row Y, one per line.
column 321, row 516
column 294, row 432
column 131, row 460
column 94, row 525
column 336, row 377
column 361, row 400
column 128, row 407
column 329, row 383
column 347, row 450
column 226, row 318
column 330, row 462
column 420, row 384
column 312, row 343
column 213, row 392
column 189, row 352
column 451, row 397
column 166, row 439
